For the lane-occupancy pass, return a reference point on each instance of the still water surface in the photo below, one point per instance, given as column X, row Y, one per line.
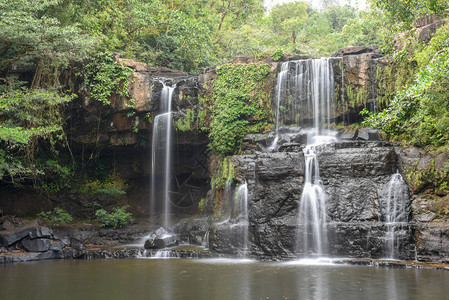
column 214, row 279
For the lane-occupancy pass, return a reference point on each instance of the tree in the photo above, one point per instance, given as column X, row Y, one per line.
column 30, row 37
column 407, row 11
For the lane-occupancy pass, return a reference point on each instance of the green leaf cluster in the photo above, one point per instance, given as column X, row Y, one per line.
column 58, row 216
column 105, row 78
column 238, row 105
column 118, row 218
column 420, row 113
column 30, row 120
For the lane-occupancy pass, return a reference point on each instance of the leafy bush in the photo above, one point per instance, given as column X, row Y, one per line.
column 104, row 78
column 117, row 219
column 237, row 105
column 111, row 185
column 277, row 54
column 58, row 217
column 420, row 114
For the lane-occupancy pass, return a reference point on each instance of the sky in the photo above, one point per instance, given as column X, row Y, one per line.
column 361, row 4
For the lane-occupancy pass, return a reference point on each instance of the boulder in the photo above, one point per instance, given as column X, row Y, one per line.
column 160, row 239
column 299, row 138
column 57, row 245
column 348, row 135
column 368, row 134
column 355, row 50
column 76, row 244
column 36, row 245
column 40, row 232
column 10, row 236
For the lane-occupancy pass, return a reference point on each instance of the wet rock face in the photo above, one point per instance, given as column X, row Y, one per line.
column 432, row 241
column 355, row 175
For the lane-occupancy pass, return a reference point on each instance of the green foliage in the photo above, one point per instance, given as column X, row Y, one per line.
column 202, row 204
column 237, row 105
column 407, row 11
column 187, row 123
column 117, row 219
column 439, row 42
column 225, row 173
column 420, row 114
column 110, row 185
column 56, row 217
column 30, row 37
column 104, row 78
column 30, row 119
column 429, row 178
column 277, row 54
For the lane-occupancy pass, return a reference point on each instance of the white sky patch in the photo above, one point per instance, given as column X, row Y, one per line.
column 359, row 4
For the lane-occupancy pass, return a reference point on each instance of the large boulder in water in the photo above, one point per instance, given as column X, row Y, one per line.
column 160, row 239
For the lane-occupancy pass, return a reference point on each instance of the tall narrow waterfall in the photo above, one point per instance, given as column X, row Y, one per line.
column 395, row 211
column 312, row 209
column 279, row 87
column 242, row 204
column 161, row 156
column 314, row 83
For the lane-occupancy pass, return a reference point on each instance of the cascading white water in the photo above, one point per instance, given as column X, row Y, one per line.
column 314, row 82
column 242, row 198
column 161, row 156
column 205, row 243
column 395, row 210
column 307, row 89
column 317, row 79
column 312, row 209
column 280, row 83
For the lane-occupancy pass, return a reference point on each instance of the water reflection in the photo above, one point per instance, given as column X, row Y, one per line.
column 215, row 280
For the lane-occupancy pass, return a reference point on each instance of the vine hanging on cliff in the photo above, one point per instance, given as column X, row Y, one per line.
column 239, row 104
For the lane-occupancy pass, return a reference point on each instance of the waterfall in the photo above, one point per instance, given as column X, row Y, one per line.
column 280, row 83
column 312, row 209
column 242, row 198
column 314, row 84
column 307, row 89
column 395, row 211
column 161, row 156
column 205, row 243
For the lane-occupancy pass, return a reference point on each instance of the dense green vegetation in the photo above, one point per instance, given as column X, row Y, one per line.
column 53, row 51
column 238, row 105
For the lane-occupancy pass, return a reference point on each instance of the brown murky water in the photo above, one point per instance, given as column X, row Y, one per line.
column 214, row 279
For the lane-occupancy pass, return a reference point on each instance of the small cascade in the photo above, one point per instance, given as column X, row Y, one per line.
column 281, row 82
column 166, row 254
column 243, row 222
column 227, row 197
column 312, row 211
column 395, row 211
column 161, row 156
column 205, row 243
